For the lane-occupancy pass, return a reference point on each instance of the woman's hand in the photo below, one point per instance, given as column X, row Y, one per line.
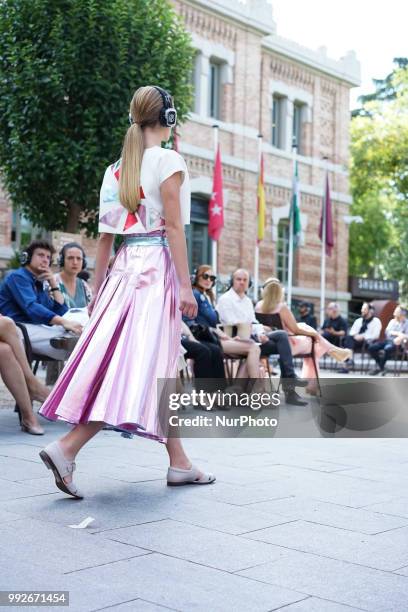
column 188, row 303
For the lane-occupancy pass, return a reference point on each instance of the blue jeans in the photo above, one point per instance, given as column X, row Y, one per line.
column 381, row 345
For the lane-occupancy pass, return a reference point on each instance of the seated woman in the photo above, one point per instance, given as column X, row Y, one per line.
column 207, row 315
column 272, row 303
column 18, row 377
column 77, row 293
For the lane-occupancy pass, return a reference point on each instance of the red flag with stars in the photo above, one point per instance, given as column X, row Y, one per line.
column 216, row 203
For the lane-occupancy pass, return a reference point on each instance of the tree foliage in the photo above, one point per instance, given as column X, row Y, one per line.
column 385, row 89
column 68, row 69
column 379, row 183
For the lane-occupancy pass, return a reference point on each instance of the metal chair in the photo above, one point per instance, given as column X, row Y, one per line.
column 32, row 357
column 274, row 322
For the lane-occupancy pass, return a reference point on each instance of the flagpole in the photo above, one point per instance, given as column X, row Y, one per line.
column 323, row 249
column 214, row 252
column 256, row 262
column 291, row 229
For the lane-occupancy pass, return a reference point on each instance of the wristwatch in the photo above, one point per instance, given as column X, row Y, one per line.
column 55, row 289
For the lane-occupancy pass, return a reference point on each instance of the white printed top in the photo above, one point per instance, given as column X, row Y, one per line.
column 158, row 164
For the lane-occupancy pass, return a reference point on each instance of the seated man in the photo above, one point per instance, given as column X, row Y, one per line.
column 335, row 326
column 396, row 331
column 30, row 295
column 235, row 308
column 366, row 329
column 306, row 315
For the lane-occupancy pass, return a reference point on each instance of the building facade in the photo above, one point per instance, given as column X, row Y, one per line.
column 249, row 81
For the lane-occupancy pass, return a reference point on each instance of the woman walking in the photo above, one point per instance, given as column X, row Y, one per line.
column 133, row 336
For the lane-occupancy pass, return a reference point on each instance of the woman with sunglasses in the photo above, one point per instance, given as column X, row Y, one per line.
column 207, row 315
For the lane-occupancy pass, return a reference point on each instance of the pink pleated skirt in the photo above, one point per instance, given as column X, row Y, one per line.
column 131, row 341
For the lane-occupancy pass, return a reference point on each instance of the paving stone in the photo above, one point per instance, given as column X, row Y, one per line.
column 139, row 605
column 204, row 546
column 15, row 469
column 187, row 586
column 315, row 604
column 397, row 506
column 334, row 515
column 373, row 551
column 49, row 544
column 223, row 517
column 337, row 581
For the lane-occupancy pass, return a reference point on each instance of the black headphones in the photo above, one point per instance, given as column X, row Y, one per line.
column 231, row 279
column 168, row 114
column 25, row 258
column 71, row 245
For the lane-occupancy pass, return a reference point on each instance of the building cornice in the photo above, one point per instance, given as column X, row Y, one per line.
column 254, row 14
column 250, row 166
column 346, row 69
column 249, row 132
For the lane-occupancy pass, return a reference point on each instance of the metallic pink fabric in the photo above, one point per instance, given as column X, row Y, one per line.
column 131, row 340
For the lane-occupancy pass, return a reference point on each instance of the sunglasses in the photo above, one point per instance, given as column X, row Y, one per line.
column 210, row 277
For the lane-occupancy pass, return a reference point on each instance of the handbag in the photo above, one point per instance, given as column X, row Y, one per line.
column 203, row 333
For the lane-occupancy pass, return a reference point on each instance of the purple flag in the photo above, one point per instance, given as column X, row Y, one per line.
column 327, row 212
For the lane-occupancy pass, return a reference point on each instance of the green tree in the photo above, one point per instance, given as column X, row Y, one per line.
column 379, row 184
column 385, row 89
column 68, row 69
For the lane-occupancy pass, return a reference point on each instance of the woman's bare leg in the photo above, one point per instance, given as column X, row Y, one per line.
column 74, row 440
column 177, row 455
column 9, row 335
column 249, row 350
column 13, row 377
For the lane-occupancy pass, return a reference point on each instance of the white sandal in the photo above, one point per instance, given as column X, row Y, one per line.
column 177, row 477
column 54, row 459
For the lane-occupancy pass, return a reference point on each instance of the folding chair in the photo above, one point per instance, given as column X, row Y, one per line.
column 32, row 357
column 274, row 322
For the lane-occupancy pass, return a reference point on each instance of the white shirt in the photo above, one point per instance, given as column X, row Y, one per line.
column 234, row 309
column 373, row 330
column 157, row 165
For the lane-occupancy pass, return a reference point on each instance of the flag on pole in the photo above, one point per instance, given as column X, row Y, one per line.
column 261, row 208
column 295, row 209
column 216, row 203
column 327, row 215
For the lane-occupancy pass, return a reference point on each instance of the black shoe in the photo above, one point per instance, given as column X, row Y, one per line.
column 295, row 381
column 376, row 371
column 343, row 370
column 292, row 398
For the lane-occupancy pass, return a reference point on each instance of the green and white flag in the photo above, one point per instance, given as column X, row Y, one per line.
column 295, row 209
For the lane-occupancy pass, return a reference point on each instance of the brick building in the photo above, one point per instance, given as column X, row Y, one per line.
column 248, row 80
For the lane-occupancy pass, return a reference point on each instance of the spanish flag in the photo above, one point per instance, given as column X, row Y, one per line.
column 261, row 208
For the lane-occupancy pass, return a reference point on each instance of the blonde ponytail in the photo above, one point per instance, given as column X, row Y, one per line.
column 272, row 295
column 129, row 177
column 145, row 109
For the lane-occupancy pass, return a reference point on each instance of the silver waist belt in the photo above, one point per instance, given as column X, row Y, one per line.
column 146, row 241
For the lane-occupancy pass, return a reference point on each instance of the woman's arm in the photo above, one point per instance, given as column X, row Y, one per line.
column 103, row 253
column 292, row 325
column 170, row 194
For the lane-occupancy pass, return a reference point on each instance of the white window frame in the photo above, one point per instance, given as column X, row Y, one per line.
column 210, row 51
column 291, row 96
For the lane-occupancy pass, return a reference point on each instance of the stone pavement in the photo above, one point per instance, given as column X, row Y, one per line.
column 308, row 525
